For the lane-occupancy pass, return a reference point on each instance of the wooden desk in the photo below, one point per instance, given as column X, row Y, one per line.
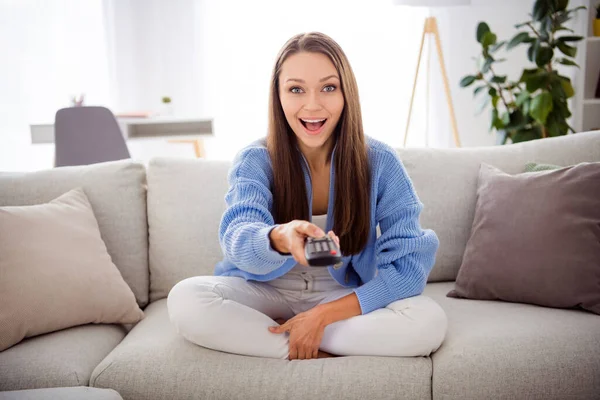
column 177, row 129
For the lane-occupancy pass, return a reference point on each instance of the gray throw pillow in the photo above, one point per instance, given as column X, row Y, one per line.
column 535, row 239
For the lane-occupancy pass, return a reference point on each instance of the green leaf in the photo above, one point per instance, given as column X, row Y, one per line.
column 516, row 120
column 545, row 28
column 563, row 28
column 524, row 95
column 478, row 89
column 566, row 61
column 522, row 24
column 567, row 87
column 566, row 49
column 561, row 18
column 562, row 5
column 467, row 80
column 496, row 122
column 557, row 91
column 499, row 79
column 526, row 135
column 570, row 38
column 541, row 8
column 483, row 105
column 561, row 109
column 482, row 29
column 544, row 56
column 553, row 126
column 488, row 39
column 487, row 64
column 572, row 10
column 497, row 46
column 526, row 106
column 541, row 105
column 532, row 51
column 506, row 118
column 517, row 39
column 535, row 81
column 492, row 92
column 495, row 101
column 530, row 71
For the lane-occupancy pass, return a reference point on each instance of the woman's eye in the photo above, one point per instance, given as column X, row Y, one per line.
column 295, row 90
column 329, row 86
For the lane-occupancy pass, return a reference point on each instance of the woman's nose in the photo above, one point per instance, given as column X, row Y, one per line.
column 313, row 102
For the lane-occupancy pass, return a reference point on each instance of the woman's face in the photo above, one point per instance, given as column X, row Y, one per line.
column 311, row 97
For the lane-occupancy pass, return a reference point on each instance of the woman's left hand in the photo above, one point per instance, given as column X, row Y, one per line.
column 306, row 332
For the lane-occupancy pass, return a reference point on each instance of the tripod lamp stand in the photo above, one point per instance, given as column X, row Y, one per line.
column 430, row 29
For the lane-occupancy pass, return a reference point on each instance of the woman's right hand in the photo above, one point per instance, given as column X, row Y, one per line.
column 290, row 237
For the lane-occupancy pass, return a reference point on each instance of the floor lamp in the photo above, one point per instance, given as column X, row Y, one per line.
column 431, row 29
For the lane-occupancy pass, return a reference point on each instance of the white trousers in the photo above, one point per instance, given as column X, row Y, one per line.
column 232, row 315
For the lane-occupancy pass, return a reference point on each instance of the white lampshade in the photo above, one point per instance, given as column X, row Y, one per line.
column 432, row 3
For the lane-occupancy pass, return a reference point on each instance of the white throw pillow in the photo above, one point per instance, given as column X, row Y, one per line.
column 55, row 271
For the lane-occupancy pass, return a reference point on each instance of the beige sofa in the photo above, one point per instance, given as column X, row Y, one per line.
column 160, row 225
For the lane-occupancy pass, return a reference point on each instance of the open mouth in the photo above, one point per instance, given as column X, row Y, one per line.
column 312, row 125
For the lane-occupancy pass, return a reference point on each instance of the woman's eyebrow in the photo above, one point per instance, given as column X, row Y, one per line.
column 320, row 80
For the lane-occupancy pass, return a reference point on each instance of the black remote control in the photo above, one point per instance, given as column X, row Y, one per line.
column 321, row 252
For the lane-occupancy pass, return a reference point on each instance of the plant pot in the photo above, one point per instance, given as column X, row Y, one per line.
column 166, row 110
column 597, row 27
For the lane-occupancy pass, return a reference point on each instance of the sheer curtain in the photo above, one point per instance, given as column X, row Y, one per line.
column 213, row 57
column 240, row 40
column 50, row 52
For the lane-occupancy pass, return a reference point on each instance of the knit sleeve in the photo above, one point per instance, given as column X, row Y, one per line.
column 247, row 220
column 405, row 252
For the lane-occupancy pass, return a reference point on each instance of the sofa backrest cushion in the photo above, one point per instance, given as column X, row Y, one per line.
column 117, row 192
column 186, row 199
column 446, row 183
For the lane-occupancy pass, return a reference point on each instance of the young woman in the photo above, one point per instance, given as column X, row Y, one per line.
column 316, row 172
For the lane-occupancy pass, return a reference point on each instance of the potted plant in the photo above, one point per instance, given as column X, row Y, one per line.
column 597, row 21
column 534, row 106
column 166, row 106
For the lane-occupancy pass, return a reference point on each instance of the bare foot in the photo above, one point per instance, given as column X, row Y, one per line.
column 323, row 354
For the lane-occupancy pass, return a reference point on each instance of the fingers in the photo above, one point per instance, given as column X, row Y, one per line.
column 335, row 238
column 315, row 353
column 309, row 229
column 293, row 353
column 297, row 251
column 302, row 353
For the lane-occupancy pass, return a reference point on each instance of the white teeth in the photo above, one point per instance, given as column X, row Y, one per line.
column 313, row 120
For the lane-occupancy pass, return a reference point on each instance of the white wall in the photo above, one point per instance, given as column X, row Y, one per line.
column 457, row 27
column 48, row 52
column 214, row 58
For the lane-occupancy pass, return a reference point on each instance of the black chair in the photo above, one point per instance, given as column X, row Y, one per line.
column 87, row 135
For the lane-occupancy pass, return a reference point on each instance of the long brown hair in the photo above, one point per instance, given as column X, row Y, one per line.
column 352, row 172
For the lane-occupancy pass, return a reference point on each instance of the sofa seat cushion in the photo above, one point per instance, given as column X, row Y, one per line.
column 514, row 351
column 153, row 361
column 64, row 393
column 58, row 359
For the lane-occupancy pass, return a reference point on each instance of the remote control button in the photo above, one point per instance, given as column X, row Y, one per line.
column 333, row 252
